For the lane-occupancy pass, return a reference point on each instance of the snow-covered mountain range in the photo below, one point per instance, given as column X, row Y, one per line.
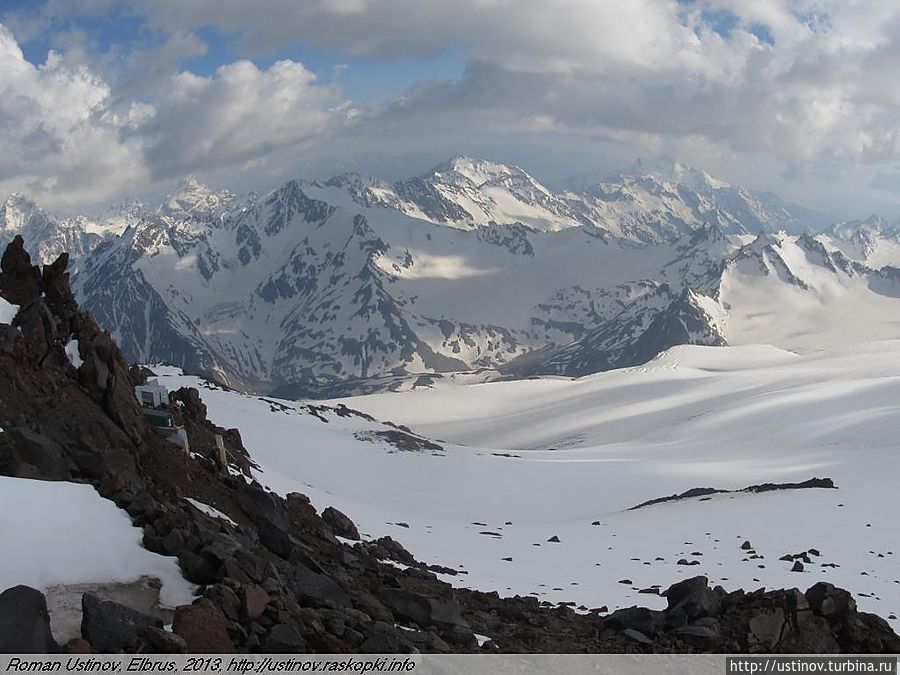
column 350, row 284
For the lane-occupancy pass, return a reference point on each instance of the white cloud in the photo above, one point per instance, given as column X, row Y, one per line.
column 824, row 88
column 69, row 137
column 241, row 114
column 805, row 87
column 57, row 131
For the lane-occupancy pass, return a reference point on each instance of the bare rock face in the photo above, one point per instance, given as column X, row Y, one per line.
column 55, row 284
column 104, row 373
column 191, row 404
column 340, row 523
column 111, row 627
column 204, row 628
column 19, row 279
column 49, row 318
column 25, row 623
column 56, row 430
column 254, row 601
column 694, row 598
column 835, row 604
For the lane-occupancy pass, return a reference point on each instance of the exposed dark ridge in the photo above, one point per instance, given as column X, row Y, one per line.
column 763, row 487
column 687, row 494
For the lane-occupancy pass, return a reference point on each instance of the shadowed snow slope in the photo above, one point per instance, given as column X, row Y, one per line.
column 526, row 461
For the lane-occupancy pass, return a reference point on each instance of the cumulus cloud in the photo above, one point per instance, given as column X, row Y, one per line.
column 57, row 131
column 803, row 86
column 241, row 114
column 68, row 137
column 799, row 79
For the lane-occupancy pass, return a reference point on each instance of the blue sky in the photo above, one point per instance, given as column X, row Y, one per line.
column 792, row 96
column 363, row 79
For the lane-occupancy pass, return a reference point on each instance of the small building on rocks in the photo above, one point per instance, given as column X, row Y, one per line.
column 152, row 394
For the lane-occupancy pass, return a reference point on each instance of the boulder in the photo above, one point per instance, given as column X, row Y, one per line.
column 274, row 536
column 423, row 611
column 285, row 638
column 640, row 619
column 705, row 633
column 393, row 550
column 869, row 634
column 203, row 627
column 162, row 641
column 372, row 606
column 694, row 598
column 835, row 604
column 254, row 601
column 765, row 631
column 25, row 623
column 111, row 627
column 637, row 636
column 35, row 455
column 809, row 634
column 198, row 568
column 226, row 600
column 318, row 589
column 340, row 523
column 383, row 639
column 192, row 406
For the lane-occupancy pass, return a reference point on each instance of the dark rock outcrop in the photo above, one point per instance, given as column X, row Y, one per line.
column 694, row 599
column 19, row 279
column 59, row 433
column 111, row 627
column 204, row 629
column 25, row 623
column 340, row 523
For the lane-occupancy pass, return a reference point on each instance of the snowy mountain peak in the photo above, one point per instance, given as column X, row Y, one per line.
column 19, row 214
column 670, row 171
column 192, row 197
column 479, row 171
column 20, row 202
column 855, row 229
column 764, row 240
column 16, row 198
column 353, row 180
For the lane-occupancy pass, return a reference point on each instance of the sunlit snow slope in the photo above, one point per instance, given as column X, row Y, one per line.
column 39, row 519
column 529, row 460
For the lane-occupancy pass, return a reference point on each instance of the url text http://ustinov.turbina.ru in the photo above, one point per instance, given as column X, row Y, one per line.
column 758, row 665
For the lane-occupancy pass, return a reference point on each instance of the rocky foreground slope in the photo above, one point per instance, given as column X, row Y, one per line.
column 280, row 577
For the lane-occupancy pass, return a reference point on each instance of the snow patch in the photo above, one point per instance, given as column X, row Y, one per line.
column 8, row 311
column 73, row 354
column 57, row 533
column 209, row 510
